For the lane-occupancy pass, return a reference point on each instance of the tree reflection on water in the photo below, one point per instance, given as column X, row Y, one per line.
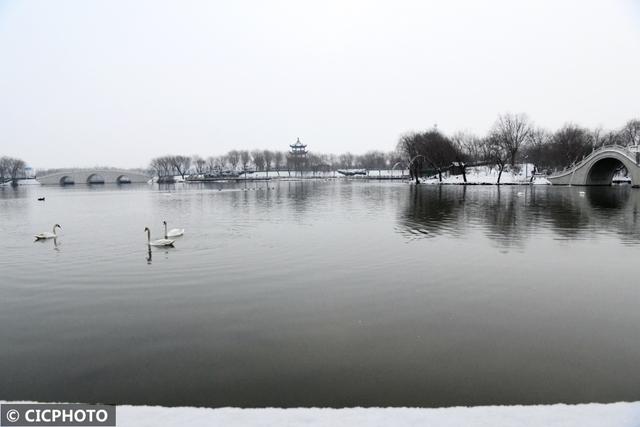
column 509, row 215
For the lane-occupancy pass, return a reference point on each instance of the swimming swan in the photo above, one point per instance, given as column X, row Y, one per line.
column 159, row 242
column 47, row 235
column 174, row 232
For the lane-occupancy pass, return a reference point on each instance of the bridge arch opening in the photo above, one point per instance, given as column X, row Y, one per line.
column 123, row 179
column 604, row 170
column 66, row 180
column 95, row 178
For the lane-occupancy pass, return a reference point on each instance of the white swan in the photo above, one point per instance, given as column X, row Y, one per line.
column 159, row 242
column 174, row 232
column 47, row 235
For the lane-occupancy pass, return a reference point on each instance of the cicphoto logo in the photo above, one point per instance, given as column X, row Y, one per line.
column 40, row 414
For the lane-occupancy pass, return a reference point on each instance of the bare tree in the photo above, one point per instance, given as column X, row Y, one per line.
column 221, row 162
column 163, row 167
column 5, row 166
column 181, row 164
column 268, row 160
column 212, row 163
column 611, row 138
column 328, row 161
column 245, row 158
column 511, row 132
column 597, row 137
column 314, row 161
column 434, row 148
column 233, row 157
column 16, row 169
column 468, row 145
column 467, row 150
column 538, row 150
column 278, row 159
column 495, row 152
column 11, row 169
column 199, row 164
column 570, row 143
column 409, row 147
column 372, row 160
column 258, row 159
column 630, row 133
column 291, row 163
column 346, row 160
column 439, row 151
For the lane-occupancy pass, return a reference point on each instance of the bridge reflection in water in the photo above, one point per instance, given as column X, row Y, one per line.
column 514, row 214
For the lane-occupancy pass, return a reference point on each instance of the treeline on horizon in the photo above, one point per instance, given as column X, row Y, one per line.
column 513, row 139
column 269, row 160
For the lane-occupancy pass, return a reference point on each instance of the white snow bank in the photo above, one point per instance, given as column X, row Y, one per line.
column 620, row 414
column 487, row 175
column 22, row 181
column 587, row 415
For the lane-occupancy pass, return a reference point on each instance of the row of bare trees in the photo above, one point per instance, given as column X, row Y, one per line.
column 512, row 139
column 268, row 160
column 571, row 143
column 171, row 165
column 11, row 169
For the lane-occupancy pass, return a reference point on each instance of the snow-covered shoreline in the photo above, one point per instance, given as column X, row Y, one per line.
column 484, row 175
column 620, row 414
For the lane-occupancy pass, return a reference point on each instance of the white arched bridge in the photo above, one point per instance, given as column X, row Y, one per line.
column 599, row 167
column 93, row 176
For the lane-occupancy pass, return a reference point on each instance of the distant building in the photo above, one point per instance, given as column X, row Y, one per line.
column 29, row 172
column 298, row 155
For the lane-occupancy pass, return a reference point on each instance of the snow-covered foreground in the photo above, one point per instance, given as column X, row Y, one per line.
column 620, row 414
column 587, row 415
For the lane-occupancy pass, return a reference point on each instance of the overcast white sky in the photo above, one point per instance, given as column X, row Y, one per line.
column 86, row 83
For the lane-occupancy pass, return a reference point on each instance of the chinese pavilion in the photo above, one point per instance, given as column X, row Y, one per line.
column 298, row 154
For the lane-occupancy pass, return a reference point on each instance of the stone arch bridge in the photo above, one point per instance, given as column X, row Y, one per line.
column 93, row 176
column 599, row 167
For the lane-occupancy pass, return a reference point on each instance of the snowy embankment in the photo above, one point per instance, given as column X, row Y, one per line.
column 487, row 175
column 620, row 414
column 27, row 181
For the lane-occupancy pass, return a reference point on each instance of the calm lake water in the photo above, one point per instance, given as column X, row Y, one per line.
column 321, row 294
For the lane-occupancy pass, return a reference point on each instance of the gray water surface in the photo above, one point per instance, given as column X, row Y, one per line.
column 321, row 294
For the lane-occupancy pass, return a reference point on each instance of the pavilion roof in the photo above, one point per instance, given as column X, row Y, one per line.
column 298, row 144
